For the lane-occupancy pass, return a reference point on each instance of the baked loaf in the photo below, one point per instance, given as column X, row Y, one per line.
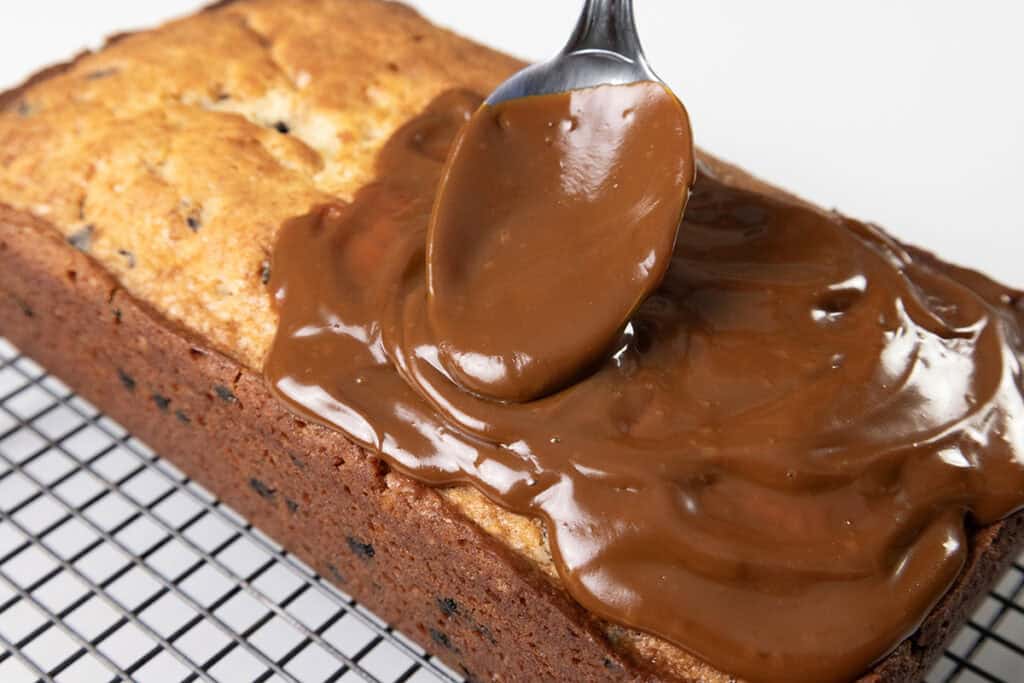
column 141, row 189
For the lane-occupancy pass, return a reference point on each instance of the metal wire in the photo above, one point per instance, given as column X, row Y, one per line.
column 115, row 567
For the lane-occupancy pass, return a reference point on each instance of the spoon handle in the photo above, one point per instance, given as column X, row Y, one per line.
column 607, row 25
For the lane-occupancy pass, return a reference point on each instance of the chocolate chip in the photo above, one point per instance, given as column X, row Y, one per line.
column 182, row 416
column 297, row 461
column 265, row 272
column 162, row 402
column 117, row 316
column 82, row 239
column 25, row 308
column 292, row 506
column 442, row 639
column 193, row 223
column 24, row 109
column 336, row 575
column 225, row 394
column 486, row 633
column 611, row 664
column 363, row 550
column 101, row 73
column 127, row 381
column 129, row 256
column 282, row 127
column 448, row 606
column 262, row 489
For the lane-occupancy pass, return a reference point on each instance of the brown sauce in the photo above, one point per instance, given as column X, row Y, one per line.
column 773, row 467
column 556, row 217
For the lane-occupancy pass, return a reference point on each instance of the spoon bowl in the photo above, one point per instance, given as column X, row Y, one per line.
column 557, row 214
column 604, row 49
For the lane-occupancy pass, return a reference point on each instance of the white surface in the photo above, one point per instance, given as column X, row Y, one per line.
column 909, row 114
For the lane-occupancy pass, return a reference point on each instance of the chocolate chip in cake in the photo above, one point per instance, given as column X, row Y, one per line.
column 292, row 506
column 486, row 633
column 162, row 402
column 25, row 308
column 128, row 256
column 363, row 550
column 82, row 239
column 265, row 272
column 193, row 215
column 264, row 491
column 127, row 381
column 117, row 316
column 442, row 639
column 448, row 606
column 335, row 575
column 611, row 664
column 101, row 73
column 182, row 416
column 24, row 109
column 282, row 127
column 225, row 394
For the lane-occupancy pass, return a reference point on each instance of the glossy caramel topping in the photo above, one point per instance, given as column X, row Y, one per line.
column 773, row 467
column 555, row 218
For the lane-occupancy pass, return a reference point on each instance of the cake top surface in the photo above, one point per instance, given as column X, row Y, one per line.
column 173, row 156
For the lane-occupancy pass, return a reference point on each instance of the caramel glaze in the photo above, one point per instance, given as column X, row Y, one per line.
column 772, row 469
column 556, row 217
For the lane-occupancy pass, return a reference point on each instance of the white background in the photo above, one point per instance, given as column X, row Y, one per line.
column 908, row 113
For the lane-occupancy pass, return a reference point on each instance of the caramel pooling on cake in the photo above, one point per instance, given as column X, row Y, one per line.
column 774, row 468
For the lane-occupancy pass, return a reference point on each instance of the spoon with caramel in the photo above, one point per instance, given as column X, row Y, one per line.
column 557, row 213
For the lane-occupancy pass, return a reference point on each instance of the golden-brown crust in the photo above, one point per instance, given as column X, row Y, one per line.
column 127, row 182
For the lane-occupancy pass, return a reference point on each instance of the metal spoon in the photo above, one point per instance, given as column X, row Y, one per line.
column 557, row 213
column 603, row 50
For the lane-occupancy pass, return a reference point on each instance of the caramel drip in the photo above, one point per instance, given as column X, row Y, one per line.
column 772, row 469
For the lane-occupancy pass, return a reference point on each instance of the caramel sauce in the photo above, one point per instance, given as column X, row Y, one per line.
column 771, row 468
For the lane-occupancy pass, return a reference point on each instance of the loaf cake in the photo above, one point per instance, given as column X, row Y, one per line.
column 141, row 191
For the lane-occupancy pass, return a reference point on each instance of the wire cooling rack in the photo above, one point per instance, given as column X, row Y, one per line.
column 115, row 566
